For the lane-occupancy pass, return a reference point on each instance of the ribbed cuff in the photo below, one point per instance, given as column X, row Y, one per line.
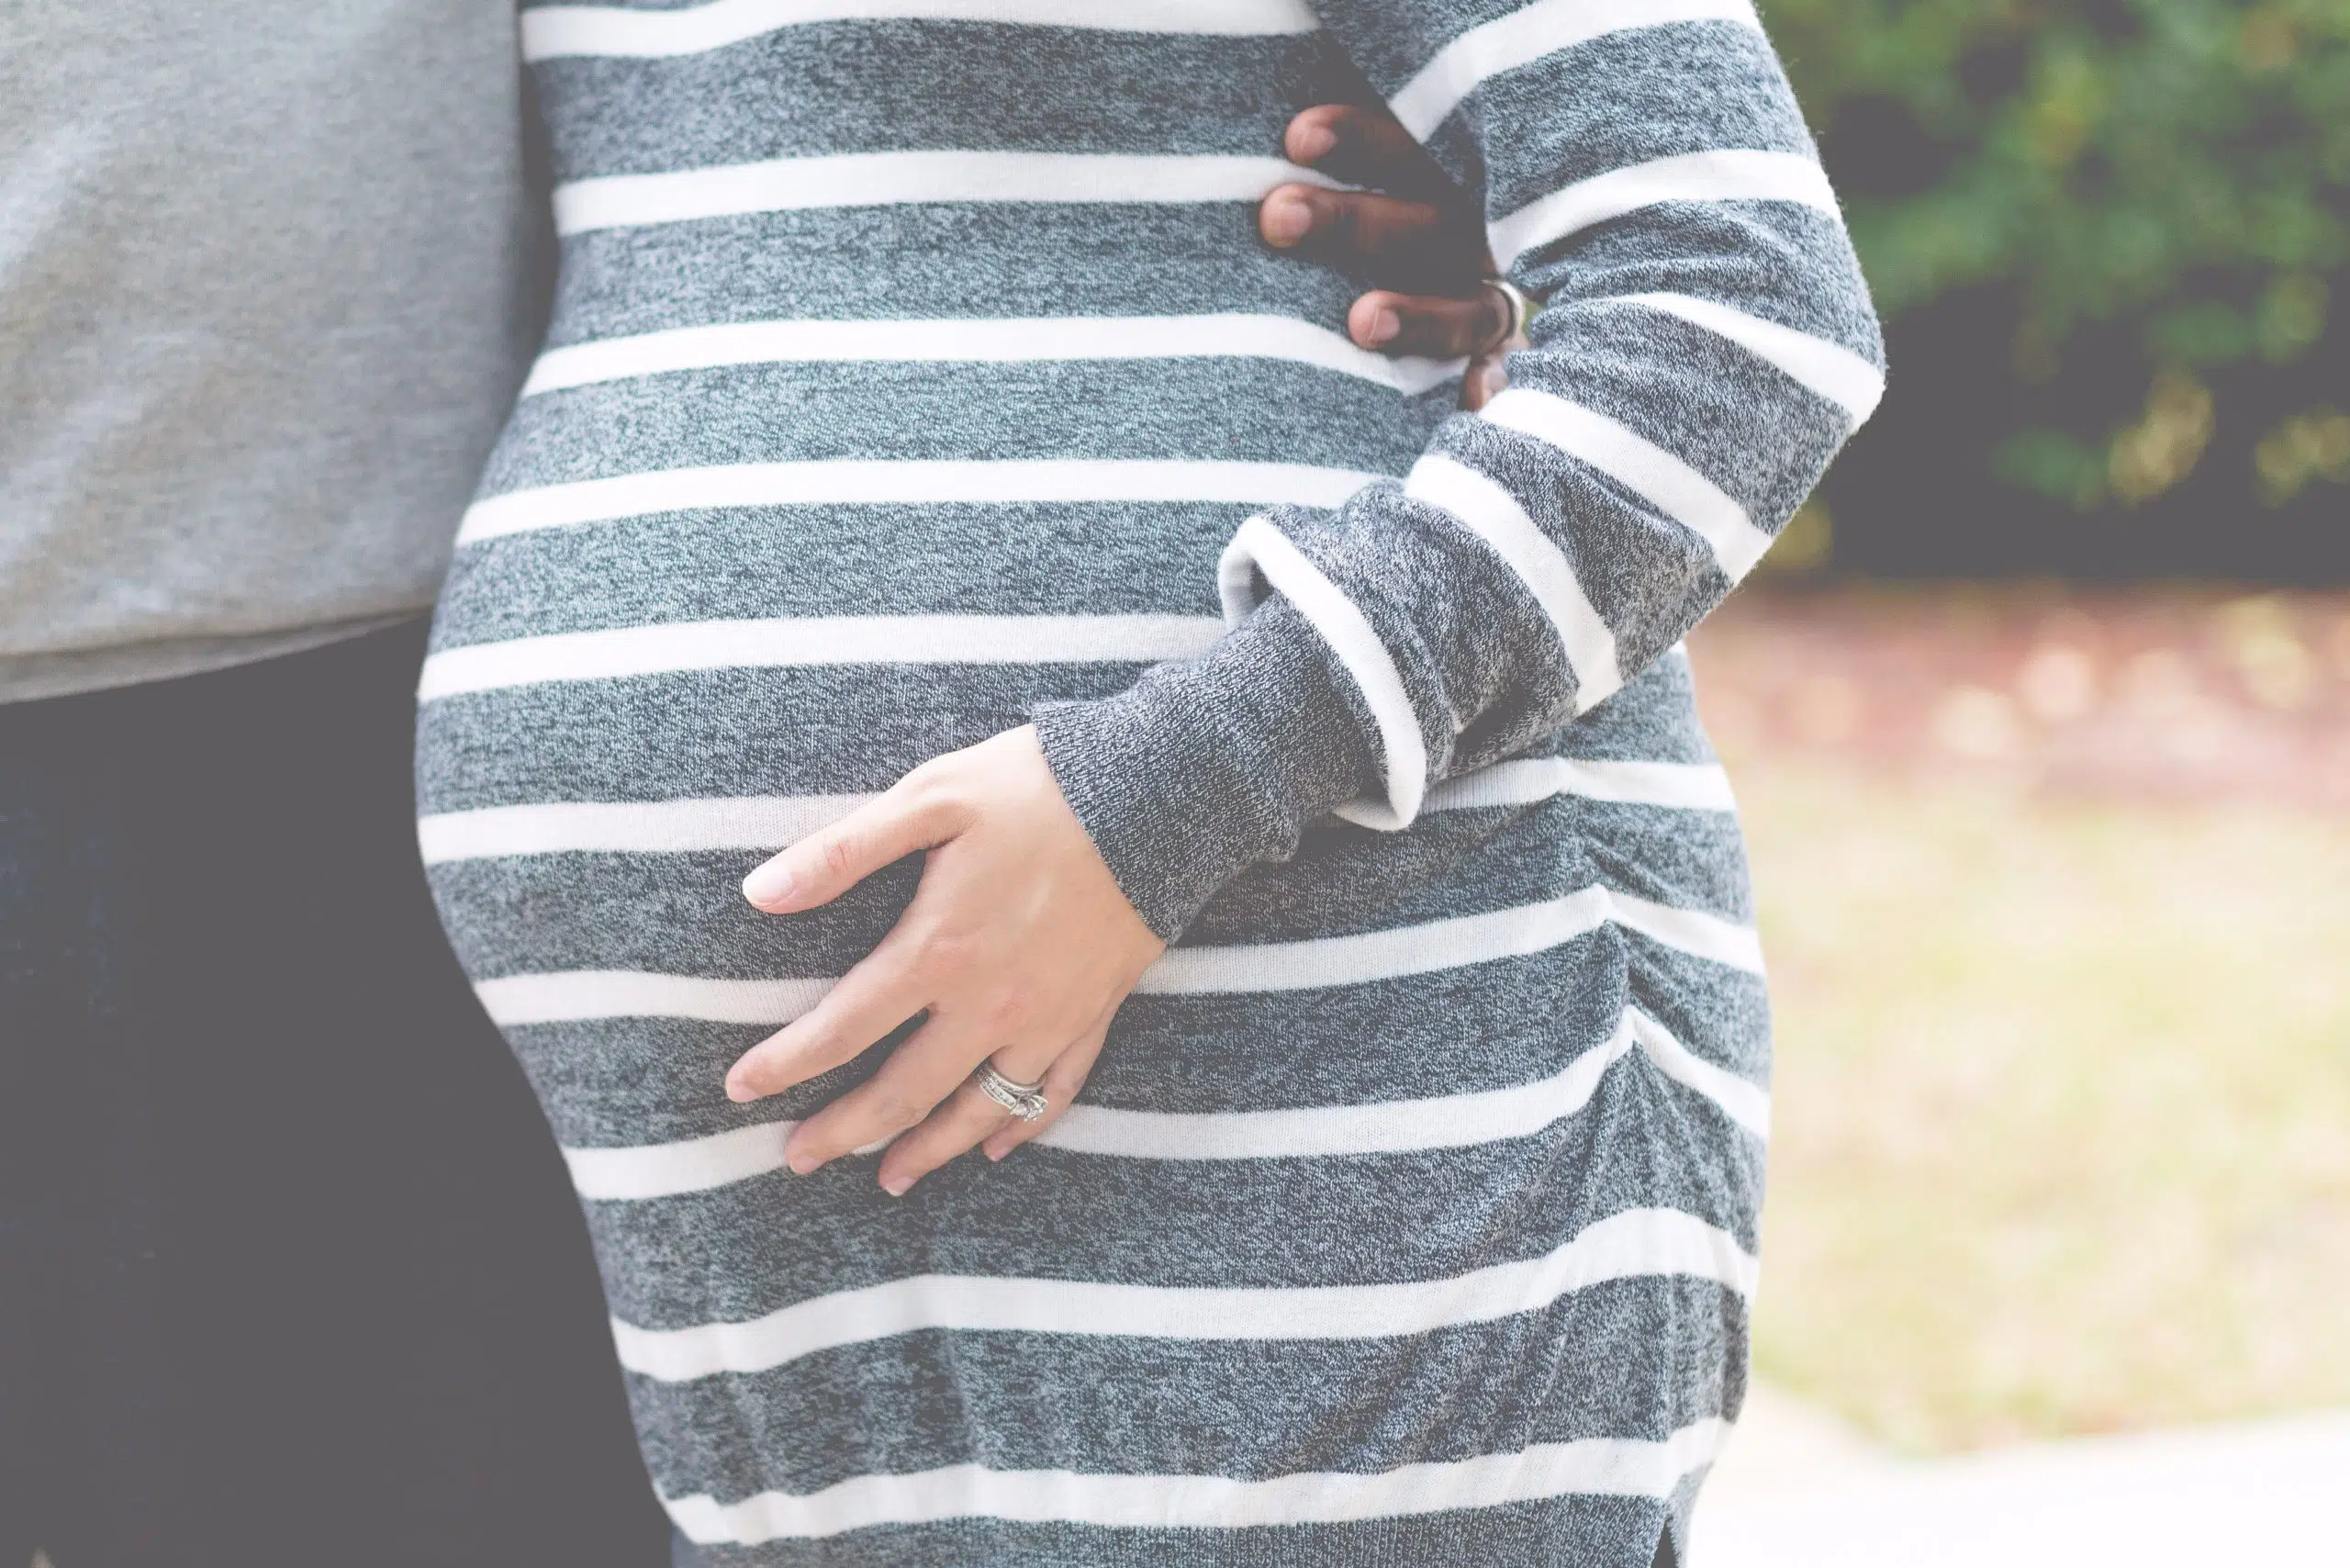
column 1207, row 766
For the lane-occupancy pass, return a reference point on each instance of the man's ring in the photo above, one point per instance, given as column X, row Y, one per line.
column 1025, row 1101
column 1518, row 309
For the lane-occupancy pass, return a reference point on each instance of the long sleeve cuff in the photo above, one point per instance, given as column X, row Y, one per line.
column 1207, row 766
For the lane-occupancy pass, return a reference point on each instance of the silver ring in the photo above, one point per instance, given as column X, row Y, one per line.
column 1025, row 1101
column 1521, row 307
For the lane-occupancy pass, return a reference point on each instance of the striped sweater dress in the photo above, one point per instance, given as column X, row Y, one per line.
column 916, row 371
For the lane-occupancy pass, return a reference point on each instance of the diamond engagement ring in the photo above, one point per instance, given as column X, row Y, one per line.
column 1025, row 1101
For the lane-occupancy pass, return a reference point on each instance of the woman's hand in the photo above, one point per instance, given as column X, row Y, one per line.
column 1411, row 231
column 1018, row 944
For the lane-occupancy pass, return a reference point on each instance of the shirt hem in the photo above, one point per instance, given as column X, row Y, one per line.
column 29, row 678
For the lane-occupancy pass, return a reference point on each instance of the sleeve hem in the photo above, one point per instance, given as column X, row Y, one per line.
column 1207, row 766
column 1260, row 550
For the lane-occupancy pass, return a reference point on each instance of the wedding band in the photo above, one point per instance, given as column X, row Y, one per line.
column 1520, row 308
column 1025, row 1101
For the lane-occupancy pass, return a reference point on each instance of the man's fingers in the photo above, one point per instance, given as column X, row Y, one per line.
column 1486, row 379
column 830, row 861
column 1395, row 240
column 1367, row 225
column 1436, row 328
column 882, row 991
column 1413, row 229
column 1361, row 146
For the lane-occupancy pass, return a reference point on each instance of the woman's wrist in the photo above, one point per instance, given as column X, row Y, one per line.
column 1207, row 766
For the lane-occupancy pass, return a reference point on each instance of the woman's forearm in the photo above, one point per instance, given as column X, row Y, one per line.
column 1708, row 345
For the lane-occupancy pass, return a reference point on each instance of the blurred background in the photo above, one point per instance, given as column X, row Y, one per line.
column 2041, row 721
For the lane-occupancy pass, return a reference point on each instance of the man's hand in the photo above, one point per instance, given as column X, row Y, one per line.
column 1018, row 945
column 1412, row 233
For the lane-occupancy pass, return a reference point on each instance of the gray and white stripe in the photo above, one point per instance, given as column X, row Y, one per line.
column 954, row 392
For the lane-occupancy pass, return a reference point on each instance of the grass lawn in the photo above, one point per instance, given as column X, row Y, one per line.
column 2063, row 1140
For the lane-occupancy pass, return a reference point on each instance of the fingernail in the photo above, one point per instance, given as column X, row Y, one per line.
column 896, row 1186
column 1384, row 325
column 1314, row 142
column 801, row 1164
column 740, row 1091
column 771, row 884
column 1287, row 221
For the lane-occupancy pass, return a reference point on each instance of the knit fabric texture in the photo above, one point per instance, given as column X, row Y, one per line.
column 269, row 277
column 916, row 372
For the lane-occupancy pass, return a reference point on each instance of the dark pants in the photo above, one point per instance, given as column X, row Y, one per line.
column 289, row 1269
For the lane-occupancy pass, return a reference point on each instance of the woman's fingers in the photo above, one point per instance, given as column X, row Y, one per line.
column 882, row 991
column 1018, row 934
column 969, row 1117
column 1438, row 329
column 830, row 861
column 1062, row 1080
column 918, row 1075
column 955, row 1127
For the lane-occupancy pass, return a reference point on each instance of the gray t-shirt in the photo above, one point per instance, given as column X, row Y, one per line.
column 266, row 290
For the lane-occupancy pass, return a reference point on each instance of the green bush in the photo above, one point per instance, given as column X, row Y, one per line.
column 2160, row 185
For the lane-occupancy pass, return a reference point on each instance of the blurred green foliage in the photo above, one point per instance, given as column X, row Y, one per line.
column 2162, row 184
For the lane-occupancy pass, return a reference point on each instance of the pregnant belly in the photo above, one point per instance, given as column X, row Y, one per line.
column 696, row 613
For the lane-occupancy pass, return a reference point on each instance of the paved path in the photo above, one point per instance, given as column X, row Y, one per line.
column 1797, row 1490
